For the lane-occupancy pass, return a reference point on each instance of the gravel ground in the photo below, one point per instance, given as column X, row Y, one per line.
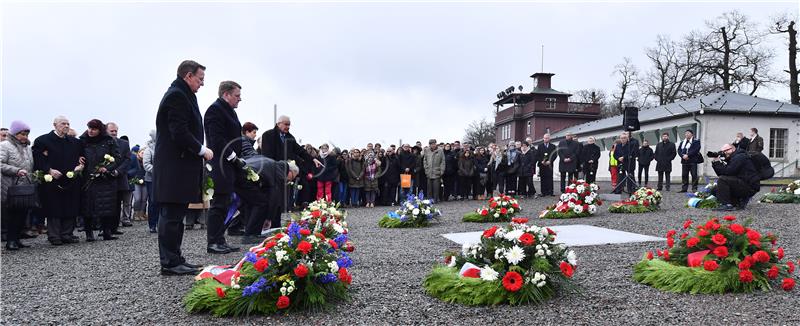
column 117, row 282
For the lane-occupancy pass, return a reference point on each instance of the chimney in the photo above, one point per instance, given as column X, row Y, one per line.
column 542, row 79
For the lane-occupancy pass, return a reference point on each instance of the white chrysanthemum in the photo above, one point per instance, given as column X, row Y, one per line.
column 539, row 253
column 415, row 211
column 499, row 253
column 48, row 178
column 488, row 274
column 580, row 189
column 578, row 209
column 541, row 284
column 592, row 209
column 465, row 248
column 338, row 228
column 409, row 206
column 564, row 197
column 797, row 191
column 589, row 199
column 572, row 258
column 426, row 202
column 514, row 235
column 426, row 211
column 515, row 255
column 504, row 203
column 280, row 255
column 511, row 211
column 333, row 266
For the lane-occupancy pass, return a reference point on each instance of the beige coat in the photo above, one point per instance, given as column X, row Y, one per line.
column 14, row 157
column 433, row 161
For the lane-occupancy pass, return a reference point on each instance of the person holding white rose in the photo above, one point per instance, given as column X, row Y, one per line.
column 16, row 162
column 99, row 202
column 56, row 154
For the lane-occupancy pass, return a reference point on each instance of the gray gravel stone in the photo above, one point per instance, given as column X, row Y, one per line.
column 118, row 282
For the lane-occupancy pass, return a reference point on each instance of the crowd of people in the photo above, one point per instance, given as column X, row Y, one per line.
column 96, row 182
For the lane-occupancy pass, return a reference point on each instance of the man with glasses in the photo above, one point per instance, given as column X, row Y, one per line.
column 178, row 164
column 738, row 178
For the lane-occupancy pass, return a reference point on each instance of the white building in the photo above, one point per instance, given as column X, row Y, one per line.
column 715, row 118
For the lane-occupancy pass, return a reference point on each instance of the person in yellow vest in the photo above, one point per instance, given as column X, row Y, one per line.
column 612, row 164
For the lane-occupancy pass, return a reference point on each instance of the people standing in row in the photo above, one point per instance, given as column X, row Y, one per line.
column 433, row 162
column 124, row 194
column 664, row 154
column 568, row 152
column 545, row 156
column 100, row 202
column 590, row 156
column 527, row 168
column 16, row 164
column 645, row 157
column 689, row 151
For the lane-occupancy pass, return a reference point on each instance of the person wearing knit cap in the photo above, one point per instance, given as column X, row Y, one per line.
column 56, row 154
column 16, row 161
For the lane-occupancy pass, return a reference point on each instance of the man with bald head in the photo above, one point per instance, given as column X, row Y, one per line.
column 738, row 178
column 278, row 144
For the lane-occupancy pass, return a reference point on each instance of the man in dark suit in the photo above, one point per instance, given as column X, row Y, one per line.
column 623, row 153
column 590, row 155
column 279, row 145
column 223, row 133
column 664, row 154
column 741, row 142
column 756, row 142
column 124, row 195
column 568, row 151
column 545, row 155
column 178, row 163
column 689, row 151
column 635, row 147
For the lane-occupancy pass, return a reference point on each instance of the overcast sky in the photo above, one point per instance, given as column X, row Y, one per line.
column 346, row 73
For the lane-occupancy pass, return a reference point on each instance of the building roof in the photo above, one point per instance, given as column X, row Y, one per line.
column 724, row 102
column 523, row 98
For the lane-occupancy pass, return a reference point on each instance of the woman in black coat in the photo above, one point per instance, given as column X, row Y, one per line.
column 466, row 169
column 100, row 187
column 481, row 177
column 450, row 176
column 590, row 155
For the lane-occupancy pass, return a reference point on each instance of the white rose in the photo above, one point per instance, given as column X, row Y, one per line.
column 514, row 235
column 415, row 211
column 338, row 228
column 48, row 178
column 496, row 215
column 70, row 175
column 572, row 258
column 510, row 210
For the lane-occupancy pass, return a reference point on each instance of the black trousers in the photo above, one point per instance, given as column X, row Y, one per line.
column 646, row 170
column 170, row 233
column 215, row 220
column 731, row 190
column 686, row 170
column 60, row 227
column 590, row 172
column 525, row 186
column 546, row 176
column 15, row 221
column 663, row 176
column 390, row 193
column 465, row 186
column 255, row 201
column 449, row 186
column 499, row 183
column 511, row 185
column 274, row 211
column 566, row 176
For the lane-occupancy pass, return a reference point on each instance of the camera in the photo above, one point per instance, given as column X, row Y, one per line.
column 711, row 154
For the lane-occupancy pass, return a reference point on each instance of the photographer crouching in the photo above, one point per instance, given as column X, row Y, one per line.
column 738, row 178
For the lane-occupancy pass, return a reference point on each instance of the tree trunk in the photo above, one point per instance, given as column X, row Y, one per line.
column 726, row 58
column 794, row 88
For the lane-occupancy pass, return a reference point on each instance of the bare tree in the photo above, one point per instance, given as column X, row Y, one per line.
column 676, row 71
column 625, row 93
column 480, row 133
column 784, row 25
column 733, row 55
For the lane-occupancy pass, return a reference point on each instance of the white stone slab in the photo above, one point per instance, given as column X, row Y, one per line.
column 571, row 235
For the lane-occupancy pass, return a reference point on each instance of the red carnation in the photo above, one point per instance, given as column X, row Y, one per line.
column 684, row 235
column 666, row 255
column 484, row 212
column 790, row 266
column 772, row 273
column 788, row 284
column 710, row 265
column 646, row 203
column 515, row 205
column 702, row 233
column 746, row 263
column 305, row 232
column 490, row 232
column 316, row 213
column 687, row 224
column 304, row 247
column 503, row 211
column 512, row 281
column 670, row 242
column 715, row 226
column 349, row 247
column 753, row 235
column 472, row 273
column 761, row 256
column 333, row 244
column 527, row 239
column 730, row 218
column 649, row 192
column 692, row 242
column 566, row 269
column 737, row 229
column 780, row 253
column 261, row 265
column 320, row 236
column 719, row 239
column 649, row 255
column 345, row 277
column 550, row 232
column 301, row 271
column 721, row 252
column 746, row 276
column 506, row 198
column 278, row 236
column 283, row 302
column 493, row 204
column 220, row 292
column 520, row 220
column 270, row 244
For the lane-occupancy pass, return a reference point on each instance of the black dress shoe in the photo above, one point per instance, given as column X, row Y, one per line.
column 236, row 232
column 69, row 240
column 117, row 232
column 109, row 236
column 56, row 242
column 90, row 236
column 178, row 270
column 725, row 208
column 127, row 224
column 197, row 267
column 217, row 249
column 12, row 245
column 21, row 245
column 153, row 230
column 251, row 239
column 230, row 248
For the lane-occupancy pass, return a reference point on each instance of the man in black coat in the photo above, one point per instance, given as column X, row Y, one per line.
column 223, row 133
column 590, row 155
column 645, row 157
column 391, row 169
column 635, row 146
column 56, row 154
column 738, row 178
column 664, row 154
column 124, row 194
column 624, row 155
column 274, row 175
column 406, row 162
column 568, row 160
column 279, row 145
column 689, row 151
column 527, row 168
column 178, row 164
column 546, row 154
column 741, row 142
